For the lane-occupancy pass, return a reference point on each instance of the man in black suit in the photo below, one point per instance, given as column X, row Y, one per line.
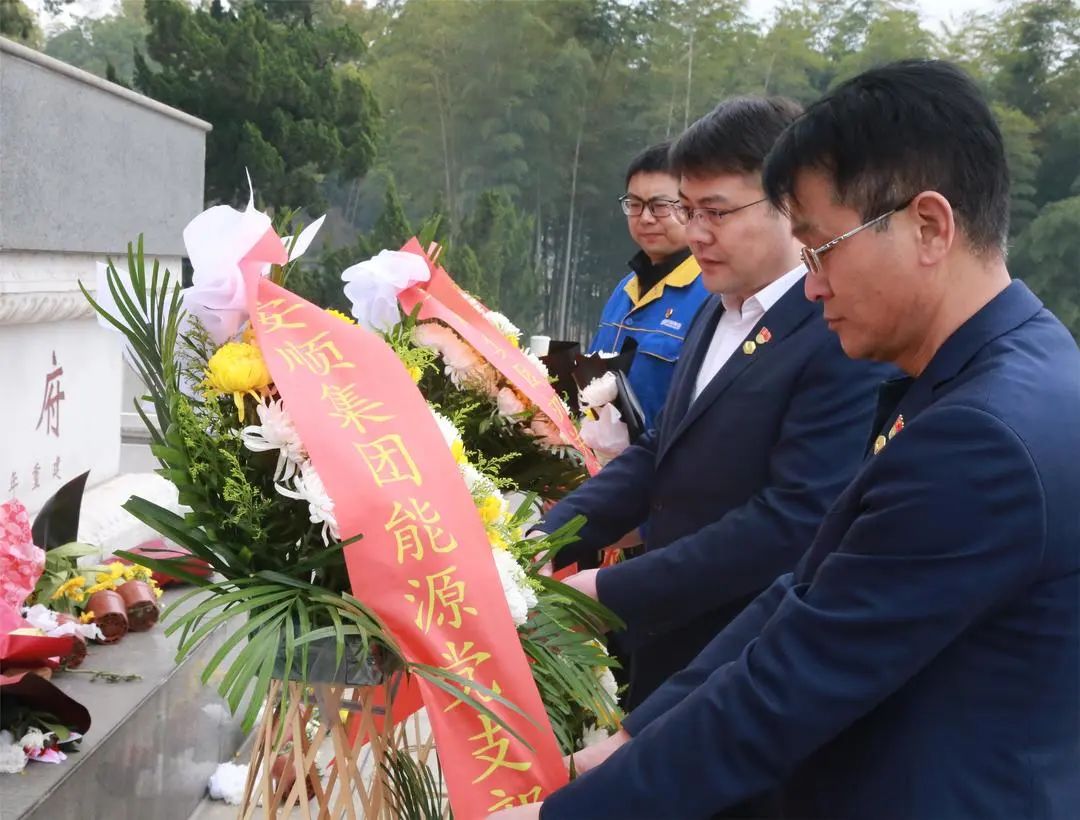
column 765, row 423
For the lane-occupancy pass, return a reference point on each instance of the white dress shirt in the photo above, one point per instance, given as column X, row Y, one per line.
column 736, row 322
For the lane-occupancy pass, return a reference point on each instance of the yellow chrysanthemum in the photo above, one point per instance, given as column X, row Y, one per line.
column 101, row 586
column 496, row 540
column 70, row 588
column 137, row 573
column 237, row 368
column 337, row 314
column 415, row 373
column 490, row 509
column 87, row 617
column 457, row 450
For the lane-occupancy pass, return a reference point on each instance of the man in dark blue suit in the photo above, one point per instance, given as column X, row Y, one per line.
column 764, row 424
column 924, row 659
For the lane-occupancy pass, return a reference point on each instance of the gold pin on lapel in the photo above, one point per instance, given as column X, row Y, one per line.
column 763, row 337
column 749, row 346
column 879, row 444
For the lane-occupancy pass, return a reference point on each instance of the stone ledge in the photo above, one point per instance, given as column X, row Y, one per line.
column 153, row 743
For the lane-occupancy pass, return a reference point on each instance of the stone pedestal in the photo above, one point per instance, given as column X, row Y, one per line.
column 85, row 167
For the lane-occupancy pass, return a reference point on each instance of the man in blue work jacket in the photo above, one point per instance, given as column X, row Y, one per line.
column 655, row 303
column 923, row 661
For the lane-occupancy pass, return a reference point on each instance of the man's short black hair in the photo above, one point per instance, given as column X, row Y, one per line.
column 734, row 137
column 892, row 132
column 653, row 160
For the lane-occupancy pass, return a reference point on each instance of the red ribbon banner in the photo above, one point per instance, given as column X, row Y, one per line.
column 441, row 298
column 424, row 564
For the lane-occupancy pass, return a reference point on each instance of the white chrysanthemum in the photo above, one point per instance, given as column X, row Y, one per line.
column 276, row 432
column 594, row 734
column 600, row 391
column 480, row 486
column 608, row 682
column 520, row 597
column 449, row 431
column 12, row 756
column 532, row 357
column 504, row 325
column 308, row 486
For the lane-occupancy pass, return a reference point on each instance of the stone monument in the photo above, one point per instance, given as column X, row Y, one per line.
column 85, row 167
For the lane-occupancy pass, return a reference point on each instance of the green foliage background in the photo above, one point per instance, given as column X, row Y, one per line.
column 514, row 121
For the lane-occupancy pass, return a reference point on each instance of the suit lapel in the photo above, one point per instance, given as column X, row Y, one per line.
column 683, row 388
column 781, row 320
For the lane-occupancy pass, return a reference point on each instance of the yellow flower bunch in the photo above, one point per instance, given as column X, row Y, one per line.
column 72, row 589
column 337, row 314
column 490, row 509
column 87, row 617
column 237, row 368
column 135, row 572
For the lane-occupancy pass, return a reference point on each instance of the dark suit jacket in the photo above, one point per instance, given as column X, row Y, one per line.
column 924, row 659
column 731, row 488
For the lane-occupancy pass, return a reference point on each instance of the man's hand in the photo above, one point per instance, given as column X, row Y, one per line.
column 548, row 568
column 584, row 582
column 530, row 811
column 592, row 756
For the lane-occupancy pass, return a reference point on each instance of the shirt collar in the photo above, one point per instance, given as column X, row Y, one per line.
column 760, row 302
column 686, row 271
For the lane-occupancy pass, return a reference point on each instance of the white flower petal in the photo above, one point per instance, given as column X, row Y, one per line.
column 374, row 284
column 299, row 244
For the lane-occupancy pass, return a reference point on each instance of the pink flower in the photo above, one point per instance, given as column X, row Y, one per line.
column 21, row 563
column 509, row 403
column 544, row 429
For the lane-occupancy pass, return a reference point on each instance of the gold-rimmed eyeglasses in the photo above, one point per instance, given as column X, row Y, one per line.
column 811, row 257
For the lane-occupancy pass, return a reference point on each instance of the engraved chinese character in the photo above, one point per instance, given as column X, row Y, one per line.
column 508, row 800
column 50, row 402
column 36, row 474
column 389, row 461
column 56, row 468
column 406, row 522
column 443, row 600
column 315, row 355
column 463, row 662
column 350, row 408
column 272, row 320
column 495, row 750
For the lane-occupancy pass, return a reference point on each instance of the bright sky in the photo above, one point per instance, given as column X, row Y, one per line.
column 933, row 11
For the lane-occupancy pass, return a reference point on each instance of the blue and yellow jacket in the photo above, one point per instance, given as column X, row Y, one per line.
column 658, row 320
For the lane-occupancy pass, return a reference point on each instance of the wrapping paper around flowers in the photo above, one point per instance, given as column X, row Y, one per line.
column 44, row 696
column 440, row 298
column 424, row 565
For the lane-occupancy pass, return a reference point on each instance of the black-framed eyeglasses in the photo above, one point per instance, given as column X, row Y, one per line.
column 712, row 216
column 811, row 257
column 658, row 206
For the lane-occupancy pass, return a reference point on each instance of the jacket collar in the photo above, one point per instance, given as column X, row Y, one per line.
column 684, row 273
column 763, row 341
column 901, row 400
